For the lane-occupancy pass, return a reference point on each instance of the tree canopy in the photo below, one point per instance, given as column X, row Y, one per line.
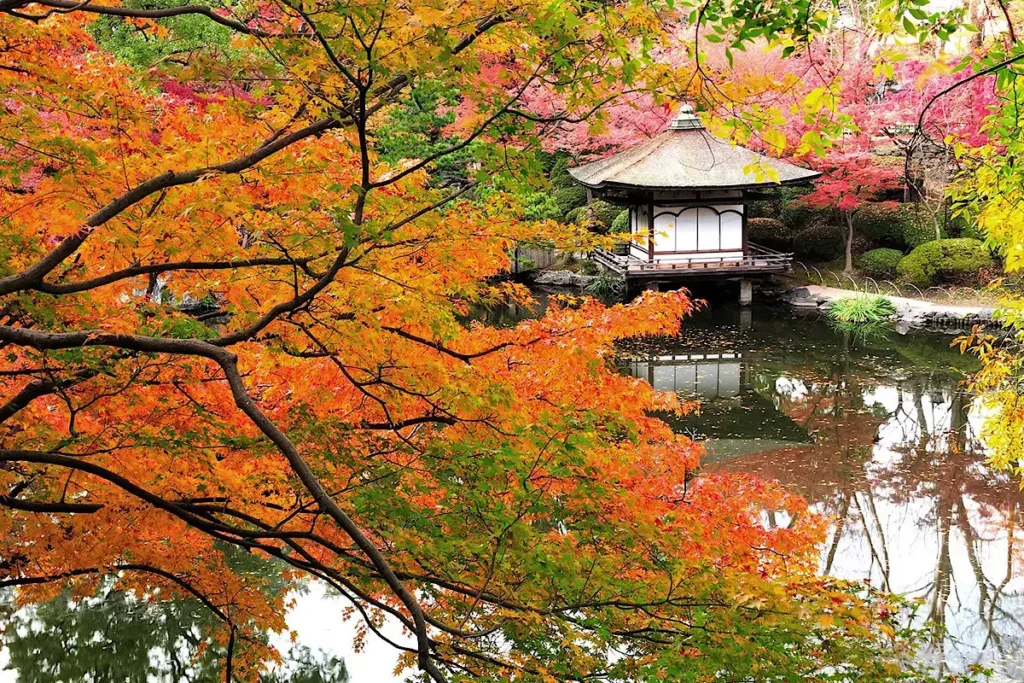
column 239, row 245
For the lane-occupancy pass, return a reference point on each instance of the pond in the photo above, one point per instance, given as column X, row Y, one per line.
column 878, row 433
column 881, row 435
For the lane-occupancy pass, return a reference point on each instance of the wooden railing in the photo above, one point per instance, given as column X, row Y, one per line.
column 757, row 259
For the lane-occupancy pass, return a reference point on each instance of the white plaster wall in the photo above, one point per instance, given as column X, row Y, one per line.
column 697, row 228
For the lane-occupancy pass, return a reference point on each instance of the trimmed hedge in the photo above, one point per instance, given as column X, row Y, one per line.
column 770, row 232
column 941, row 261
column 603, row 212
column 570, row 198
column 621, row 222
column 894, row 225
column 574, row 215
column 880, row 263
column 798, row 216
column 560, row 177
column 819, row 242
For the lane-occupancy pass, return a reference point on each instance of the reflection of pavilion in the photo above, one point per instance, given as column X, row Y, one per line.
column 734, row 418
column 708, row 375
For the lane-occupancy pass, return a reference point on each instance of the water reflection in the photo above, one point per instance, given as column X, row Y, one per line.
column 881, row 435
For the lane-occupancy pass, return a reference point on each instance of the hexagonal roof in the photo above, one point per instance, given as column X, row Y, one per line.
column 687, row 157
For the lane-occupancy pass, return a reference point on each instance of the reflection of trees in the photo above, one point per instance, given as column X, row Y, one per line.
column 921, row 457
column 115, row 637
column 945, row 464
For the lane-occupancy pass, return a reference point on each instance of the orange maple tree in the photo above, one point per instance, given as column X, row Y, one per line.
column 234, row 296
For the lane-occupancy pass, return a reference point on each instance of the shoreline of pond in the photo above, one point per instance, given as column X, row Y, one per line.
column 911, row 314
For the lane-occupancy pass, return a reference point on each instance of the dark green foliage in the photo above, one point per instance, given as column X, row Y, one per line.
column 621, row 222
column 570, row 198
column 819, row 242
column 796, row 214
column 769, row 208
column 603, row 212
column 560, row 177
column 880, row 263
column 114, row 637
column 919, row 226
column 416, row 129
column 605, row 287
column 894, row 225
column 881, row 223
column 942, row 261
column 574, row 215
column 770, row 233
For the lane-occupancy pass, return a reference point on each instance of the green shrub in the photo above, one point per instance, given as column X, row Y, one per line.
column 919, row 226
column 560, row 177
column 861, row 309
column 588, row 267
column 819, row 242
column 770, row 232
column 768, row 208
column 894, row 225
column 881, row 223
column 574, row 215
column 570, row 198
column 603, row 212
column 880, row 263
column 941, row 261
column 621, row 222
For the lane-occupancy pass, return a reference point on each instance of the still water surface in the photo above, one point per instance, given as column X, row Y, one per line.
column 879, row 434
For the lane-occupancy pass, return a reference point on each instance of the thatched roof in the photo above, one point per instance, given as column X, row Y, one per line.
column 687, row 157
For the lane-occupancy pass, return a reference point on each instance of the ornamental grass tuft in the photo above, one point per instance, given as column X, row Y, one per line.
column 861, row 309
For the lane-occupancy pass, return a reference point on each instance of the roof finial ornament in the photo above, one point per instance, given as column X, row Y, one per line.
column 685, row 119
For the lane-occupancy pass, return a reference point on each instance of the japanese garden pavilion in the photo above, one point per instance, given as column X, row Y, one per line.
column 686, row 192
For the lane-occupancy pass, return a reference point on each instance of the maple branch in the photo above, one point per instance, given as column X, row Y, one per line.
column 65, row 6
column 48, row 507
column 312, row 483
column 32, row 277
column 505, row 108
column 438, row 346
column 285, row 306
column 919, row 130
column 36, row 389
column 170, row 266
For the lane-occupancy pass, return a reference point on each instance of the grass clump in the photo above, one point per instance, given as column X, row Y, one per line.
column 605, row 286
column 863, row 309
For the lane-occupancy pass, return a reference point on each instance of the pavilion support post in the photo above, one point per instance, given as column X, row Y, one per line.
column 650, row 230
column 746, row 318
column 746, row 292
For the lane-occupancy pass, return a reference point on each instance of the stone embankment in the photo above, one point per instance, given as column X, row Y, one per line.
column 910, row 313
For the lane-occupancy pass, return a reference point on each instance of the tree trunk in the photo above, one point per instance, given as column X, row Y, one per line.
column 848, row 215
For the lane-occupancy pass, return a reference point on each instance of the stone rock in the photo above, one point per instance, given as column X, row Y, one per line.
column 563, row 278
